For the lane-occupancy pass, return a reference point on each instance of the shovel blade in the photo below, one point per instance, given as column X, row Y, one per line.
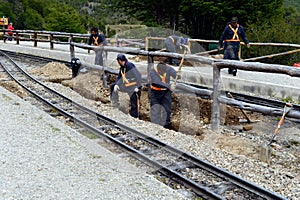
column 247, row 121
column 265, row 153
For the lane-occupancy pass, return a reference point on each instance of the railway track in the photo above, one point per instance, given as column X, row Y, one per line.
column 237, row 96
column 203, row 178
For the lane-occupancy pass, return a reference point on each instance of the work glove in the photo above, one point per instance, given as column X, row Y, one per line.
column 136, row 90
column 116, row 88
column 248, row 45
column 173, row 87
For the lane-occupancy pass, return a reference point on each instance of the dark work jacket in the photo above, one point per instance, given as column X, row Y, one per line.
column 228, row 34
column 131, row 74
column 156, row 80
column 100, row 40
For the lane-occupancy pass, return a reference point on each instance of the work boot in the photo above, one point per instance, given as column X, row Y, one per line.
column 115, row 104
column 175, row 62
column 167, row 125
column 234, row 71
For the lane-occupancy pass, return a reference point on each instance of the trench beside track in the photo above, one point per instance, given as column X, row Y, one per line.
column 237, row 96
column 210, row 182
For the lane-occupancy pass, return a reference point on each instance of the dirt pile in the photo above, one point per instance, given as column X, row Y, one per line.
column 54, row 72
column 190, row 114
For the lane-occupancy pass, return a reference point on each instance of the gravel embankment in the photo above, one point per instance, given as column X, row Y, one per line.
column 281, row 176
column 41, row 158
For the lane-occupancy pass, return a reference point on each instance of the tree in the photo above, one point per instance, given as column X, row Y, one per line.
column 32, row 20
column 63, row 18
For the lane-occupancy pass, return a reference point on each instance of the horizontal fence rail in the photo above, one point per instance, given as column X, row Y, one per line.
column 141, row 48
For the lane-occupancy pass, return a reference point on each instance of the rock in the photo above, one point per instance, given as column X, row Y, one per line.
column 247, row 127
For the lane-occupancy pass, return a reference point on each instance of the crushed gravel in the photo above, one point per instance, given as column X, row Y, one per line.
column 42, row 158
column 233, row 150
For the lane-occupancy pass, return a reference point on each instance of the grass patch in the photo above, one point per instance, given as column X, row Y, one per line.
column 89, row 135
column 54, row 129
column 6, row 97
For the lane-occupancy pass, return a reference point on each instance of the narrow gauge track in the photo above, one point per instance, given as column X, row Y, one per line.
column 205, row 179
column 33, row 59
column 237, row 96
column 252, row 99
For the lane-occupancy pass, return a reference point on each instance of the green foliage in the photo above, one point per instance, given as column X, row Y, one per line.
column 43, row 14
column 5, row 10
column 63, row 18
column 292, row 4
column 276, row 30
column 263, row 20
column 32, row 20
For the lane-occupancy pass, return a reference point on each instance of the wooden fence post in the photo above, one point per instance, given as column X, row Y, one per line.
column 150, row 66
column 104, row 76
column 72, row 49
column 17, row 38
column 35, row 39
column 215, row 114
column 146, row 44
column 4, row 36
column 51, row 41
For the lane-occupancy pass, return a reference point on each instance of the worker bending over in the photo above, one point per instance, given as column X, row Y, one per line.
column 129, row 80
column 161, row 94
column 172, row 43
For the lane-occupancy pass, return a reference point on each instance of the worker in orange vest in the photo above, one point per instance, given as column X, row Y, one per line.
column 97, row 39
column 161, row 94
column 130, row 81
column 231, row 38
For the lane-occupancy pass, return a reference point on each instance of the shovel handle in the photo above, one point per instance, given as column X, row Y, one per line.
column 180, row 66
column 138, row 103
column 286, row 109
column 243, row 112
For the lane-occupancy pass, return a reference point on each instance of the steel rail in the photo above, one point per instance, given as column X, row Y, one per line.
column 237, row 96
column 200, row 190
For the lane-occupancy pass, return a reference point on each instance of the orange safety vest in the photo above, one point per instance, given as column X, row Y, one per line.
column 95, row 40
column 235, row 37
column 163, row 79
column 125, row 80
column 172, row 39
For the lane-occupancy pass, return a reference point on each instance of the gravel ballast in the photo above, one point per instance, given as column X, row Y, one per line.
column 41, row 158
column 233, row 149
column 281, row 176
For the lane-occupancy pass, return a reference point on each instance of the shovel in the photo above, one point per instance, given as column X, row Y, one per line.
column 208, row 52
column 186, row 50
column 265, row 152
column 243, row 112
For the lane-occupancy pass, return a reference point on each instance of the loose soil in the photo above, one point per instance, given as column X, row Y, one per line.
column 190, row 114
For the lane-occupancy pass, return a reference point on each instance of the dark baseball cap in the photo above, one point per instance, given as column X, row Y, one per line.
column 234, row 19
column 121, row 57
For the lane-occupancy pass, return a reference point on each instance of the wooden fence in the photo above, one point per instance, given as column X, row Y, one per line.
column 217, row 65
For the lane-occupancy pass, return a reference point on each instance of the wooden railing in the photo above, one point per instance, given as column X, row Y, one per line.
column 217, row 64
column 62, row 38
